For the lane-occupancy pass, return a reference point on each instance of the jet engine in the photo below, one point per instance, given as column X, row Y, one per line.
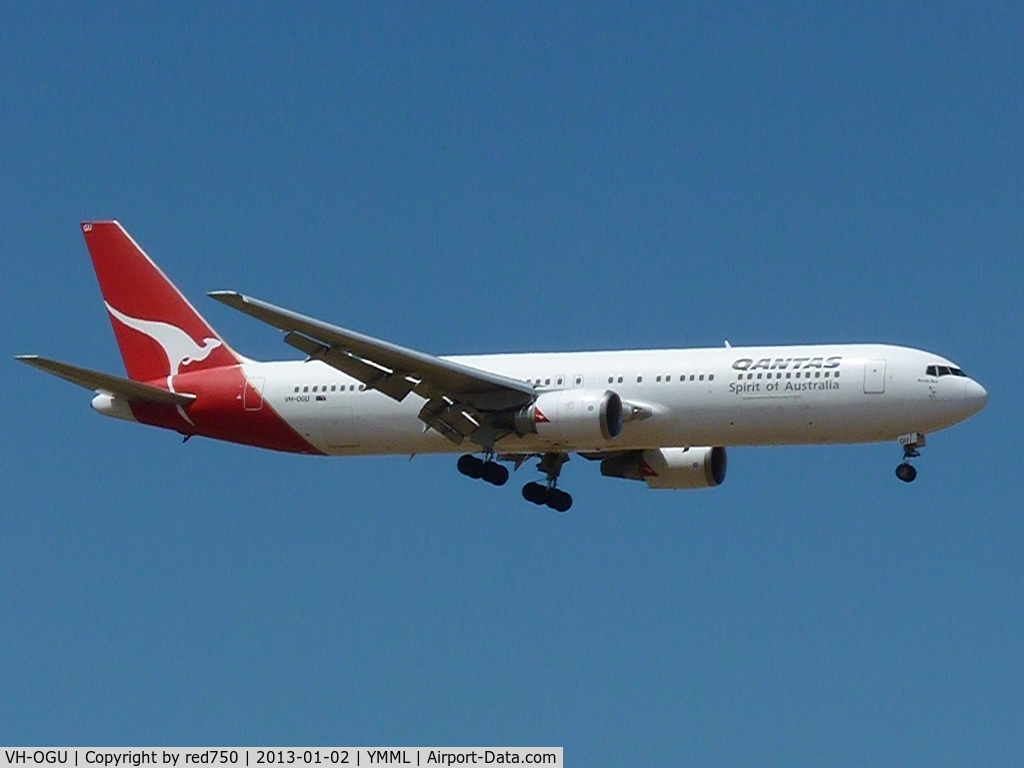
column 670, row 467
column 579, row 417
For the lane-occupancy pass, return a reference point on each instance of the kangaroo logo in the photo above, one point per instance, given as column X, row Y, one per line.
column 177, row 345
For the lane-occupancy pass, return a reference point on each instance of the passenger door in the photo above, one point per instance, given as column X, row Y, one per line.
column 874, row 377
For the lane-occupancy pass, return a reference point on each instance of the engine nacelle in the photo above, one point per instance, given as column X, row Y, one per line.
column 580, row 417
column 670, row 467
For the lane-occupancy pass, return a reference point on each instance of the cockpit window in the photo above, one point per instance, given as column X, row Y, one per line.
column 943, row 370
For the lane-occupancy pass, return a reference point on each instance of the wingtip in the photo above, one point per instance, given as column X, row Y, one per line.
column 226, row 297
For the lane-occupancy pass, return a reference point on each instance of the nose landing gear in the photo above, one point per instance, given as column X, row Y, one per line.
column 906, row 472
column 911, row 442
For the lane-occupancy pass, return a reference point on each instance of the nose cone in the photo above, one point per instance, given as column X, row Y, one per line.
column 975, row 396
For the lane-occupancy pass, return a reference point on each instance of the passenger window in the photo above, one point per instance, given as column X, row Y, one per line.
column 561, row 379
column 639, row 379
column 305, row 389
column 668, row 378
column 702, row 377
column 296, row 389
column 659, row 379
column 610, row 379
column 711, row 376
column 547, row 382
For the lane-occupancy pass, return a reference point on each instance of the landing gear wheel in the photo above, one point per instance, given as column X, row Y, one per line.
column 560, row 501
column 494, row 473
column 906, row 472
column 470, row 466
column 535, row 493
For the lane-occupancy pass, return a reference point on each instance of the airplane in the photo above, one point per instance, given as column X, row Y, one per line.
column 664, row 417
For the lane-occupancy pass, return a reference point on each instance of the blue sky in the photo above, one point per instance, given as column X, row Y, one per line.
column 472, row 178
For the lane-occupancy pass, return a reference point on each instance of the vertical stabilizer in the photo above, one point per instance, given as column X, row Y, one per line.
column 159, row 333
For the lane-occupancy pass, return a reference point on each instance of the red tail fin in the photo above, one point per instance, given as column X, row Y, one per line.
column 159, row 333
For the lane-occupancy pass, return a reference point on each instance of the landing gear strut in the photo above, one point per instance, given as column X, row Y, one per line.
column 906, row 471
column 487, row 470
column 546, row 493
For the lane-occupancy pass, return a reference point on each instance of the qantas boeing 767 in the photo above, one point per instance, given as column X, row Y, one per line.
column 663, row 417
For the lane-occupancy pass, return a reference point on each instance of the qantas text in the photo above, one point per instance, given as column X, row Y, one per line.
column 784, row 363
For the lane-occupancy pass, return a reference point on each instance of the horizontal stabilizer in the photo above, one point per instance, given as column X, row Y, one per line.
column 133, row 391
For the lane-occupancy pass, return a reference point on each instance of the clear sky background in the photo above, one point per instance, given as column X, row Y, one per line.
column 484, row 177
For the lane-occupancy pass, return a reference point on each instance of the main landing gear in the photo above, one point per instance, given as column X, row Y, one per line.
column 480, row 469
column 546, row 493
column 911, row 442
column 541, row 494
column 560, row 501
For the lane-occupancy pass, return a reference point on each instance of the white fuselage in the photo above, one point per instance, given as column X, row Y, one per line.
column 780, row 395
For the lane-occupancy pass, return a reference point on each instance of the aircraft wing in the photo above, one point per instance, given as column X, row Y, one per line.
column 459, row 397
column 133, row 391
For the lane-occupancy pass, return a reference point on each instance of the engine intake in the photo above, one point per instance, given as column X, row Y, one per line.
column 581, row 417
column 670, row 467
